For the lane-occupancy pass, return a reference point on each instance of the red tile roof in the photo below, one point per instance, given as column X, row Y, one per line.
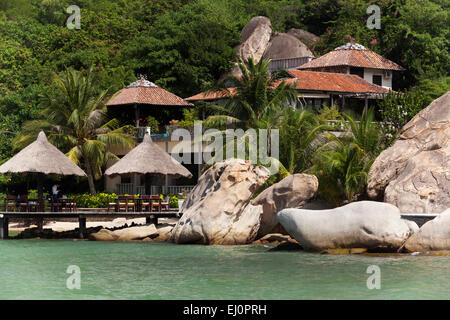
column 311, row 81
column 146, row 92
column 353, row 55
column 333, row 82
column 212, row 95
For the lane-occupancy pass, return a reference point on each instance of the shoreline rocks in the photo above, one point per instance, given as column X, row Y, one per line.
column 414, row 173
column 217, row 211
column 364, row 224
column 291, row 192
column 432, row 236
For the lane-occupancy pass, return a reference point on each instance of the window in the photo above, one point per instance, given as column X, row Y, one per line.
column 125, row 179
column 376, row 79
column 358, row 71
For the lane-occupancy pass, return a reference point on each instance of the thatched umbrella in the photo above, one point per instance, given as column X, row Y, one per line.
column 148, row 159
column 41, row 158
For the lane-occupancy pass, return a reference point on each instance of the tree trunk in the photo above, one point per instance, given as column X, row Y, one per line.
column 90, row 177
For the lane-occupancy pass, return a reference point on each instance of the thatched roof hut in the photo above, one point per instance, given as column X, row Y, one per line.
column 148, row 158
column 41, row 157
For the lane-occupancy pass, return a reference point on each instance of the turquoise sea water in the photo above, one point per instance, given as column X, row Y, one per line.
column 36, row 269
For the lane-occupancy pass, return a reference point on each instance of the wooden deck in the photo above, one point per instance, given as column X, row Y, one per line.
column 151, row 217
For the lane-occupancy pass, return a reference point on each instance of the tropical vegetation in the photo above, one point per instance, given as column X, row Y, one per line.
column 185, row 47
column 74, row 119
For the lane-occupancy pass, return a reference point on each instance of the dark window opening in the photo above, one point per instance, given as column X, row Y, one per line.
column 376, row 80
column 125, row 179
column 358, row 71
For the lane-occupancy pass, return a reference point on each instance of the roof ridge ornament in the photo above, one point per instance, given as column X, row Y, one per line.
column 142, row 82
column 351, row 46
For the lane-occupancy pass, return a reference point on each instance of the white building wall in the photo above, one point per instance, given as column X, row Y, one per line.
column 386, row 82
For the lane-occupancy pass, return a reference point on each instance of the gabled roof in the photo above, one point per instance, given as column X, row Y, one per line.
column 146, row 92
column 332, row 82
column 354, row 55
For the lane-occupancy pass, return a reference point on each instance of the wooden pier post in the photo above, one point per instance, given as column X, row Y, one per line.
column 4, row 227
column 82, row 228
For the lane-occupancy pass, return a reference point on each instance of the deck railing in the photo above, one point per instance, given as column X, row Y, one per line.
column 130, row 188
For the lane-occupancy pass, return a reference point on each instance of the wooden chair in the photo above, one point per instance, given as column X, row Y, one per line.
column 156, row 203
column 145, row 203
column 33, row 205
column 150, row 202
column 68, row 205
column 112, row 205
column 127, row 203
column 22, row 203
column 56, row 206
column 10, row 203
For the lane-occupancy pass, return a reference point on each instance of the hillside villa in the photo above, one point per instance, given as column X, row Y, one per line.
column 350, row 74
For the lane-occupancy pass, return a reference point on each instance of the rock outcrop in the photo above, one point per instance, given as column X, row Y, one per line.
column 255, row 38
column 291, row 192
column 432, row 236
column 260, row 41
column 304, row 36
column 414, row 173
column 285, row 46
column 125, row 234
column 364, row 224
column 217, row 211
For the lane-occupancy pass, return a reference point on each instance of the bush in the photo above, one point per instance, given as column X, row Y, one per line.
column 101, row 200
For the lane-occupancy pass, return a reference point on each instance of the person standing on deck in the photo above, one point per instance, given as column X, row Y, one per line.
column 55, row 191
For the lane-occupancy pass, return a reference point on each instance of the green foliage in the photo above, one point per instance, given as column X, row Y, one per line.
column 74, row 120
column 330, row 113
column 257, row 95
column 100, row 200
column 300, row 135
column 152, row 123
column 190, row 116
column 185, row 50
column 400, row 107
column 342, row 164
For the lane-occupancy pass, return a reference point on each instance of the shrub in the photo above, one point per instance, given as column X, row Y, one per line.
column 99, row 201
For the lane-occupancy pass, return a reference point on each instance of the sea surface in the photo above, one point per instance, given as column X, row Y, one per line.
column 37, row 269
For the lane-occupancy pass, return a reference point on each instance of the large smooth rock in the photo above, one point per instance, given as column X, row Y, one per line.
column 304, row 36
column 284, row 46
column 404, row 173
column 125, row 234
column 424, row 184
column 364, row 224
column 255, row 38
column 136, row 233
column 103, row 235
column 291, row 192
column 217, row 210
column 432, row 236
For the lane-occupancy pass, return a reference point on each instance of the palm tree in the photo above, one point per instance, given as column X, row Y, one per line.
column 342, row 164
column 257, row 93
column 301, row 134
column 341, row 169
column 366, row 132
column 74, row 118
